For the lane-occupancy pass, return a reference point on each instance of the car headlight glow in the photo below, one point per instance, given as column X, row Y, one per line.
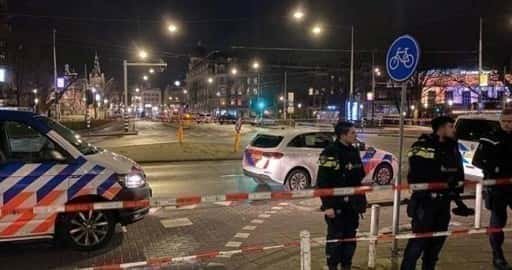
column 134, row 179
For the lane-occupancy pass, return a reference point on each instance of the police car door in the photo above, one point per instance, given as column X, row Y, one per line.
column 314, row 144
column 33, row 172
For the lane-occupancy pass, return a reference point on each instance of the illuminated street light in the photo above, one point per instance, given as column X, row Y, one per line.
column 151, row 70
column 98, row 97
column 370, row 96
column 210, row 80
column 170, row 98
column 413, row 107
column 299, row 105
column 377, row 70
column 281, row 98
column 143, row 54
column 34, row 91
column 218, row 94
column 316, row 30
column 105, row 101
column 298, row 15
column 425, row 105
column 145, row 77
column 509, row 100
column 172, row 28
column 137, row 90
column 177, row 83
column 185, row 91
column 234, row 71
column 36, row 101
column 93, row 90
column 256, row 65
column 450, row 102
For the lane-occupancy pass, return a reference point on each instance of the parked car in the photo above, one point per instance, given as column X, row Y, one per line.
column 470, row 129
column 290, row 157
column 204, row 118
column 227, row 119
column 43, row 163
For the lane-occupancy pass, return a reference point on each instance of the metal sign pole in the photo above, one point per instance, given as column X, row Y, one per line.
column 398, row 181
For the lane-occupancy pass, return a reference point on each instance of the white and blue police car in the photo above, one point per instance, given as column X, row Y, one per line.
column 43, row 163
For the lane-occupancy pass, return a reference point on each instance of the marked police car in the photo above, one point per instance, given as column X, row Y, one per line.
column 470, row 128
column 291, row 157
column 43, row 163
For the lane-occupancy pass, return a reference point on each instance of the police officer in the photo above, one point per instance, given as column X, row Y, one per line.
column 340, row 165
column 433, row 158
column 493, row 156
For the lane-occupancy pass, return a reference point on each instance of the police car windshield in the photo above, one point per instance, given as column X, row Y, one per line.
column 72, row 137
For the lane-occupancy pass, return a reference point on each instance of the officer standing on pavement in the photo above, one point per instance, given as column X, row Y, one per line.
column 340, row 166
column 493, row 156
column 433, row 158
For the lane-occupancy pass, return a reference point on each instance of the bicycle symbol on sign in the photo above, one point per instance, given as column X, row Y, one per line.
column 401, row 56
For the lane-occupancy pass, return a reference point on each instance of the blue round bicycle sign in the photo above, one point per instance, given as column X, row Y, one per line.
column 402, row 58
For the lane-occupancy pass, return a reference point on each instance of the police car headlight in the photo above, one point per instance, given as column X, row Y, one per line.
column 133, row 180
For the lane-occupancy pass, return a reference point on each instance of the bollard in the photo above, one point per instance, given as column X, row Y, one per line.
column 478, row 205
column 305, row 250
column 237, row 142
column 374, row 232
column 126, row 122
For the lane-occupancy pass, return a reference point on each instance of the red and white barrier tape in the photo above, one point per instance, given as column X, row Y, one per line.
column 76, row 207
column 241, row 196
column 311, row 193
column 163, row 261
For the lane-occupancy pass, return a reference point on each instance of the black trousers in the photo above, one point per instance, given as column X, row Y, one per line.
column 428, row 215
column 342, row 226
column 497, row 202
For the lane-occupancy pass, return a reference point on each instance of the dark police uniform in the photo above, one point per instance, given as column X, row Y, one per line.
column 431, row 161
column 341, row 166
column 493, row 156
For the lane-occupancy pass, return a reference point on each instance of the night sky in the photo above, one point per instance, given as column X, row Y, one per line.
column 115, row 28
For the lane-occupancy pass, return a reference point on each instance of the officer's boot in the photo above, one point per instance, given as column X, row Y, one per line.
column 346, row 267
column 499, row 261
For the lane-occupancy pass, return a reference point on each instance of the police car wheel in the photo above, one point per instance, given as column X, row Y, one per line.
column 298, row 179
column 88, row 230
column 383, row 174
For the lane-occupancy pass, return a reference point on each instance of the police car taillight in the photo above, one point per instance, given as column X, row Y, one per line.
column 274, row 155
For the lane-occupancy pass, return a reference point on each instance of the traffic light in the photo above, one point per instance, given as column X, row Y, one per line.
column 261, row 104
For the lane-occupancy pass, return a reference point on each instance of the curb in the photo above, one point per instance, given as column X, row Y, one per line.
column 122, row 133
column 189, row 160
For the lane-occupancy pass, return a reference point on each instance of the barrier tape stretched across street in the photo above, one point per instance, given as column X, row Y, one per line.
column 168, row 260
column 241, row 196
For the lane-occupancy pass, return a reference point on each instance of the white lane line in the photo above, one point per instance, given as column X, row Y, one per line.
column 174, row 223
column 233, row 244
column 249, row 228
column 242, row 235
column 263, row 216
column 257, row 221
column 270, row 212
column 277, row 208
column 284, row 204
column 227, row 203
column 231, row 175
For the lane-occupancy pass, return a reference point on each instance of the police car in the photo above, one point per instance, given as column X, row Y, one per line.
column 43, row 163
column 290, row 157
column 470, row 128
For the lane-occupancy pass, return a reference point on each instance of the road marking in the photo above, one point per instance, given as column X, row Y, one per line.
column 270, row 212
column 242, row 235
column 174, row 223
column 232, row 175
column 233, row 244
column 277, row 208
column 228, row 203
column 257, row 221
column 249, row 228
column 284, row 204
column 264, row 216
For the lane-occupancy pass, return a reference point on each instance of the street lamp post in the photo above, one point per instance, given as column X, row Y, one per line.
column 209, row 82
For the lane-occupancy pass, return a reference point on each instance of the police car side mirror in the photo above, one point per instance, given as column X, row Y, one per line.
column 361, row 146
column 54, row 155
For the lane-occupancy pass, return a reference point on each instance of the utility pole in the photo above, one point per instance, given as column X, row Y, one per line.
column 352, row 64
column 285, row 93
column 373, row 86
column 57, row 109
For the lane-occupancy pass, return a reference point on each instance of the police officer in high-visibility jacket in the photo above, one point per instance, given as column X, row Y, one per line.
column 340, row 166
column 433, row 158
column 493, row 156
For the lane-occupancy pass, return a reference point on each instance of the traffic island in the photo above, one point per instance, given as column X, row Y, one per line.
column 174, row 152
